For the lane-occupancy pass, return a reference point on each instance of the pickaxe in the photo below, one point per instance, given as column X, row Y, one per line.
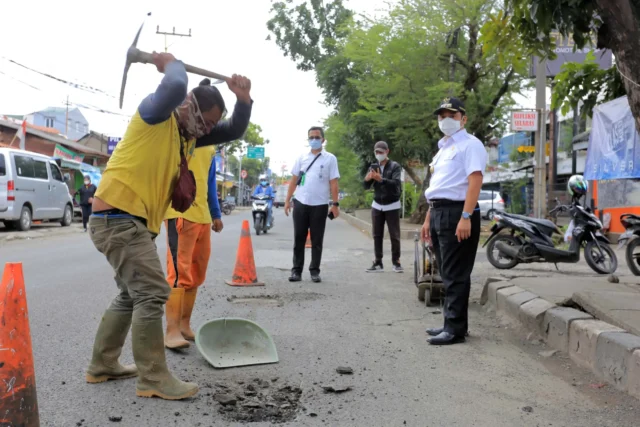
column 135, row 55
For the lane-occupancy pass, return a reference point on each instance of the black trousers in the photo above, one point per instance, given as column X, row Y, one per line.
column 308, row 219
column 392, row 218
column 455, row 260
column 86, row 213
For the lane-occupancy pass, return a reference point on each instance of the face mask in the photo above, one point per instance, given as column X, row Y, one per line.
column 315, row 143
column 190, row 118
column 449, row 126
column 381, row 157
column 263, row 183
column 87, row 182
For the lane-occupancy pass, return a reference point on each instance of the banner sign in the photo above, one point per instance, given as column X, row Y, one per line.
column 64, row 153
column 613, row 151
column 112, row 142
column 524, row 121
column 565, row 53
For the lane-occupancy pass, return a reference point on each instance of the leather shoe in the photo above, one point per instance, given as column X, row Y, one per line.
column 435, row 331
column 295, row 277
column 315, row 278
column 445, row 338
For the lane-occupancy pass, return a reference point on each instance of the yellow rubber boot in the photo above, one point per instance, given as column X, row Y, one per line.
column 174, row 339
column 154, row 379
column 187, row 308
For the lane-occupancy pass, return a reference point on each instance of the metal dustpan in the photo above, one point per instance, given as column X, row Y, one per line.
column 230, row 342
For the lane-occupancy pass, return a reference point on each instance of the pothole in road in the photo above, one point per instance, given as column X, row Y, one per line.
column 258, row 401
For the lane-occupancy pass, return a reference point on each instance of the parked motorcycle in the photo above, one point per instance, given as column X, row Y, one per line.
column 226, row 207
column 260, row 213
column 629, row 238
column 530, row 240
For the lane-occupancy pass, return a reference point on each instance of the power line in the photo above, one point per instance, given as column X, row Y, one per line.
column 72, row 84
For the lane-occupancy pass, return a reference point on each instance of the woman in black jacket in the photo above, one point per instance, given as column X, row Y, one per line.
column 87, row 191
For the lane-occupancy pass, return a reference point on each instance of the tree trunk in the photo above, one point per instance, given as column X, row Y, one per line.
column 421, row 210
column 623, row 37
column 412, row 174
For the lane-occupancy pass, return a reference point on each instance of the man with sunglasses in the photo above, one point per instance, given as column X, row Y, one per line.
column 189, row 233
column 315, row 181
column 385, row 178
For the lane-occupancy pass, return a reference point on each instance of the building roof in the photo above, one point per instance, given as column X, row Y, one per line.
column 55, row 139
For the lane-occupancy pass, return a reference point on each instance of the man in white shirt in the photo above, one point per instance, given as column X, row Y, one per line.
column 453, row 219
column 385, row 178
column 315, row 182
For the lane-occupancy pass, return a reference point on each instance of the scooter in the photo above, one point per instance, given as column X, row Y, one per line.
column 226, row 207
column 530, row 240
column 629, row 238
column 260, row 213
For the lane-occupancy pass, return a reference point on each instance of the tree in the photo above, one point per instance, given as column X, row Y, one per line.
column 385, row 77
column 252, row 136
column 615, row 24
column 254, row 168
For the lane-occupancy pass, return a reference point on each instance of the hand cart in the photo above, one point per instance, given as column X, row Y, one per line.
column 426, row 274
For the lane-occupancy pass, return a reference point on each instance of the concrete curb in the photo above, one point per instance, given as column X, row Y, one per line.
column 611, row 353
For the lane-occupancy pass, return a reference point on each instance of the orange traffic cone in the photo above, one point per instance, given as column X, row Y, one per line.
column 245, row 272
column 308, row 244
column 18, row 393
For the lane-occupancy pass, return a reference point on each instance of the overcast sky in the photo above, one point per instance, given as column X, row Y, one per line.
column 86, row 42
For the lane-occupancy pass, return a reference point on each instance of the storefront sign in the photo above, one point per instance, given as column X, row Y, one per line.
column 524, row 121
column 614, row 150
column 65, row 153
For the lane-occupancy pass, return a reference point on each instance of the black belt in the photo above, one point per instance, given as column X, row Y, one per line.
column 445, row 203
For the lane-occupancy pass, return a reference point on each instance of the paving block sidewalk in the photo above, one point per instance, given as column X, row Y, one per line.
column 595, row 322
column 361, row 219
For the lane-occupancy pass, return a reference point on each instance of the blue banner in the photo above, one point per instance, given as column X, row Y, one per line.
column 112, row 142
column 613, row 151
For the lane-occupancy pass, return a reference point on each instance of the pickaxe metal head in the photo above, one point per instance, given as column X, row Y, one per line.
column 130, row 60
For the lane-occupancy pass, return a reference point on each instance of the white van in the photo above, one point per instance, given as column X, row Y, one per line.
column 32, row 187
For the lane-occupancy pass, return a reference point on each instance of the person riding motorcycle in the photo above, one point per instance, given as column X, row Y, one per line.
column 265, row 188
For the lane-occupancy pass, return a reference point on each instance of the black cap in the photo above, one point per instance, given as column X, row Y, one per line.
column 451, row 104
column 381, row 145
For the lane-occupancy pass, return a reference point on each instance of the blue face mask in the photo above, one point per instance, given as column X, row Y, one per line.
column 315, row 143
column 263, row 183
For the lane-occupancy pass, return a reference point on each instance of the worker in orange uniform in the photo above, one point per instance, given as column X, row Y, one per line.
column 189, row 240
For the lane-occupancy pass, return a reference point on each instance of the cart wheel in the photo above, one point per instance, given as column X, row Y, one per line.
column 427, row 297
column 421, row 291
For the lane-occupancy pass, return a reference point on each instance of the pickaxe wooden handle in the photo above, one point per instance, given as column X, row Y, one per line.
column 141, row 57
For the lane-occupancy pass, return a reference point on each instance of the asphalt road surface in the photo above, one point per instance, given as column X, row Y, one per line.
column 372, row 323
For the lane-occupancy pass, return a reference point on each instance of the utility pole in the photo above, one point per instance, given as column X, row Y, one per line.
column 173, row 33
column 241, row 195
column 540, row 163
column 453, row 44
column 66, row 119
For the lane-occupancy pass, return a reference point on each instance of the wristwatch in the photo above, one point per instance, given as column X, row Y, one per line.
column 466, row 215
column 336, row 204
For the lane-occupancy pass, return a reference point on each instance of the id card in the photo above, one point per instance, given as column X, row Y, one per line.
column 304, row 177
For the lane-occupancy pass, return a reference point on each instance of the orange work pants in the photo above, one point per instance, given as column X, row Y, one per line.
column 188, row 248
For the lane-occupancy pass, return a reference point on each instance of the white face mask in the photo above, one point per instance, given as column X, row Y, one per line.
column 449, row 126
column 381, row 157
column 87, row 182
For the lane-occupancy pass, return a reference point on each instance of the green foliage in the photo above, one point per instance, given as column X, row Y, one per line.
column 252, row 136
column 517, row 156
column 368, row 198
column 585, row 83
column 411, row 197
column 254, row 168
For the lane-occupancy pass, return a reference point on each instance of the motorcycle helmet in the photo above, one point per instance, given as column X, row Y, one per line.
column 263, row 180
column 577, row 186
